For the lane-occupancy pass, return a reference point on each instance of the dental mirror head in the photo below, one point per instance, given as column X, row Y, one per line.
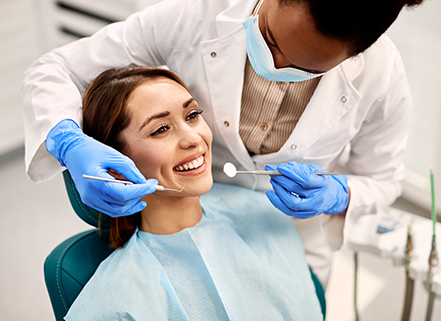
column 230, row 169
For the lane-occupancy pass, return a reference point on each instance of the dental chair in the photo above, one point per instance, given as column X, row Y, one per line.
column 72, row 263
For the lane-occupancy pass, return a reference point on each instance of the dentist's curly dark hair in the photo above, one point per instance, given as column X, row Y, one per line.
column 356, row 22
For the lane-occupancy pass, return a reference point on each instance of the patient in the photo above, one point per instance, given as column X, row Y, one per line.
column 227, row 255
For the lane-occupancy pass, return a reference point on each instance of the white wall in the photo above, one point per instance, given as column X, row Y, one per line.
column 417, row 34
column 28, row 28
column 19, row 46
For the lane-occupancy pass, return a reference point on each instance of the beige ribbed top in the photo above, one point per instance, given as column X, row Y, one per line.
column 270, row 110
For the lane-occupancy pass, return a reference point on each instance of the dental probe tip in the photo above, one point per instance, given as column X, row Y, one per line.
column 162, row 188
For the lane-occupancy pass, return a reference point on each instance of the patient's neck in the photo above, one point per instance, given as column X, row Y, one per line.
column 169, row 215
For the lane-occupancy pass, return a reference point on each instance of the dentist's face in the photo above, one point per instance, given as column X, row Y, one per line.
column 290, row 33
column 167, row 137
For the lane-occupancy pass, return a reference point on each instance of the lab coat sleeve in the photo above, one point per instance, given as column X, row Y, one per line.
column 376, row 162
column 53, row 84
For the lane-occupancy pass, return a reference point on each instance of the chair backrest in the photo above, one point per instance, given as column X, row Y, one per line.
column 72, row 263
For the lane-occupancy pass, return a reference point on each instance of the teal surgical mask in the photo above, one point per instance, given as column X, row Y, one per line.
column 261, row 57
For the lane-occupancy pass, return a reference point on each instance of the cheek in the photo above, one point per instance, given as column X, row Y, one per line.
column 148, row 160
column 207, row 135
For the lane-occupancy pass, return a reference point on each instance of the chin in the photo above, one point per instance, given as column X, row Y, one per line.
column 200, row 188
column 207, row 186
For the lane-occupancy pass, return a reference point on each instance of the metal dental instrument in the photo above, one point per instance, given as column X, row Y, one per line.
column 158, row 187
column 231, row 171
column 433, row 257
column 408, row 256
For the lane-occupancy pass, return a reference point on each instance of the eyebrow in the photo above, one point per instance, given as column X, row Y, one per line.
column 278, row 48
column 165, row 113
column 188, row 102
column 155, row 116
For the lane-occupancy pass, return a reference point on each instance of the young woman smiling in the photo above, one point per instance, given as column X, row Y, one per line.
column 225, row 255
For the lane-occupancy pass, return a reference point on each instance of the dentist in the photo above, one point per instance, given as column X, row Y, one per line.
column 280, row 81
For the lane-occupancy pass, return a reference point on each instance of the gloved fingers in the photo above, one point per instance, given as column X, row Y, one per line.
column 310, row 205
column 123, row 193
column 270, row 168
column 126, row 167
column 290, row 200
column 301, row 174
column 120, row 204
column 116, row 210
column 287, row 184
column 304, row 204
column 137, row 207
column 276, row 201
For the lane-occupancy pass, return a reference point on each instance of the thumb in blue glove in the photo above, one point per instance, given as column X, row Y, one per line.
column 82, row 154
column 301, row 194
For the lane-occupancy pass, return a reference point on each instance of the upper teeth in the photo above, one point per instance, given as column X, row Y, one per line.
column 191, row 165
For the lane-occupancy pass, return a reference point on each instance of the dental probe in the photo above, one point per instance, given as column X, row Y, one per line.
column 230, row 171
column 158, row 187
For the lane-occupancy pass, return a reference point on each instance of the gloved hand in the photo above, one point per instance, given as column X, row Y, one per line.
column 317, row 194
column 82, row 154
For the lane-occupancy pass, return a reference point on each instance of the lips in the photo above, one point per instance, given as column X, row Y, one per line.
column 191, row 165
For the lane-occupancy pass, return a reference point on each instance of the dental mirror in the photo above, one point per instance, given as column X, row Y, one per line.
column 231, row 171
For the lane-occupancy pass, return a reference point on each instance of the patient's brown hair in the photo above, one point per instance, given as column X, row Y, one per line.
column 105, row 116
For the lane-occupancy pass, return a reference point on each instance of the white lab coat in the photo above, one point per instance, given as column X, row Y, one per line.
column 364, row 102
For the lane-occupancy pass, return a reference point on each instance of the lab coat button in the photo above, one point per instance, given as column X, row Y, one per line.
column 213, row 54
column 343, row 99
column 293, row 146
column 264, row 126
column 226, row 124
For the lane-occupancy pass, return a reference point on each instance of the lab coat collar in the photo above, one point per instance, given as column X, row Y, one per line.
column 352, row 67
column 233, row 17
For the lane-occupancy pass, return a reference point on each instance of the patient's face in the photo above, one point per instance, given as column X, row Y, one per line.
column 167, row 137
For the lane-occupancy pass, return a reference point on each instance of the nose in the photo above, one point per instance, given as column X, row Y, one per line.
column 189, row 137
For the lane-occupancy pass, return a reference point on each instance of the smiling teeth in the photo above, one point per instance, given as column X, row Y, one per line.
column 191, row 165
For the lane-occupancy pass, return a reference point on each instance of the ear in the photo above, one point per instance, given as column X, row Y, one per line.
column 116, row 174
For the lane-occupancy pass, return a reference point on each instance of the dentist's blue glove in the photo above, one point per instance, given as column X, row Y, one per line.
column 317, row 193
column 82, row 154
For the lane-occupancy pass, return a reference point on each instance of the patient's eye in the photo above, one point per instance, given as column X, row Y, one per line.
column 160, row 130
column 194, row 115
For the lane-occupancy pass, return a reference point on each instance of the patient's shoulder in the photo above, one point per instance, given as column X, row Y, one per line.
column 119, row 285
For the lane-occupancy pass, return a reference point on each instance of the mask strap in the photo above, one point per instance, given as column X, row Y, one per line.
column 256, row 11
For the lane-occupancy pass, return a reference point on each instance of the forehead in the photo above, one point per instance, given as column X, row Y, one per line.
column 156, row 92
